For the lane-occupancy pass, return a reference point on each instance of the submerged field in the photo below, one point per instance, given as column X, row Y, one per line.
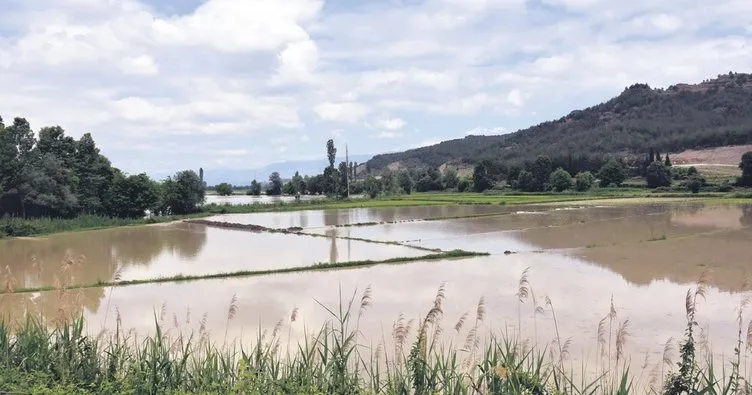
column 566, row 280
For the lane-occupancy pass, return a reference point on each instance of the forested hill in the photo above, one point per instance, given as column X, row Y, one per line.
column 713, row 113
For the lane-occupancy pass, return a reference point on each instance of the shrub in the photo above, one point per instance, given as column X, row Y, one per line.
column 613, row 172
column 584, row 181
column 560, row 180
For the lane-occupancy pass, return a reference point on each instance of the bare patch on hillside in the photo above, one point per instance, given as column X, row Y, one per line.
column 730, row 155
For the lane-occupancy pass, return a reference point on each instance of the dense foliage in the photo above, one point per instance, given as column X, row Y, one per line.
column 57, row 176
column 711, row 114
column 746, row 167
column 224, row 189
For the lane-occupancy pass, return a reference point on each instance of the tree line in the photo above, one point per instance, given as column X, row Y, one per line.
column 54, row 175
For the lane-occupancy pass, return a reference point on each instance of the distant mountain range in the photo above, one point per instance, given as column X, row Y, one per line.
column 713, row 113
column 286, row 169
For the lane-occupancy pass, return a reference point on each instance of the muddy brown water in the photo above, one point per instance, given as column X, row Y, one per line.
column 644, row 256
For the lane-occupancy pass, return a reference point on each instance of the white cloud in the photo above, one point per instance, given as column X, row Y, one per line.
column 139, row 65
column 240, row 25
column 390, row 123
column 236, row 74
column 388, row 135
column 349, row 112
column 515, row 98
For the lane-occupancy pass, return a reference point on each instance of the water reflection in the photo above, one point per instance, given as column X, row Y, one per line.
column 323, row 218
column 97, row 254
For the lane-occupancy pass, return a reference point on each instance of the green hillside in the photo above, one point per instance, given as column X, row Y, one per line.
column 713, row 113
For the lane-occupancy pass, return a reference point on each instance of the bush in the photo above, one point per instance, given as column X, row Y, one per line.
column 584, row 181
column 560, row 180
column 224, row 189
column 613, row 172
column 725, row 187
column 694, row 183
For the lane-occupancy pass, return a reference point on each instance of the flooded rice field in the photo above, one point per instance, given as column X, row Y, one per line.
column 579, row 257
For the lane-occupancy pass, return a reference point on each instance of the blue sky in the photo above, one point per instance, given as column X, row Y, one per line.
column 170, row 84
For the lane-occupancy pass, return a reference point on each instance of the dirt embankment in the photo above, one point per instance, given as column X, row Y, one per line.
column 726, row 156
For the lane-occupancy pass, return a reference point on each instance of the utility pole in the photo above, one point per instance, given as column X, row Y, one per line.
column 347, row 164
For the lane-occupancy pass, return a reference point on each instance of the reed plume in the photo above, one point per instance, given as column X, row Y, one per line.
column 523, row 290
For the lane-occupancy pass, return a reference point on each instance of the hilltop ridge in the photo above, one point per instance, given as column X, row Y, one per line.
column 713, row 113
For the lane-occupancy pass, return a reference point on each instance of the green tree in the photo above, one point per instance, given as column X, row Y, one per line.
column 667, row 161
column 526, row 181
column 560, row 180
column 94, row 175
column 584, row 181
column 255, row 189
column 405, row 182
column 331, row 152
column 483, row 176
column 344, row 183
column 372, row 186
column 450, row 179
column 541, row 170
column 182, row 194
column 275, row 185
column 658, row 175
column 289, row 189
column 330, row 181
column 224, row 189
column 464, row 185
column 298, row 184
column 130, row 197
column 746, row 166
column 613, row 172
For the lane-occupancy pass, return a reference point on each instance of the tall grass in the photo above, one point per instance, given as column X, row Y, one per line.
column 58, row 356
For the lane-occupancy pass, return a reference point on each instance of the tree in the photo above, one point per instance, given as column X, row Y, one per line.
column 746, row 166
column 612, row 173
column 298, row 184
column 201, row 174
column 526, row 181
column 289, row 189
column 450, row 179
column 255, row 188
column 584, row 181
column 372, row 186
column 224, row 189
column 275, row 185
column 344, row 184
column 182, row 194
column 667, row 161
column 331, row 152
column 130, row 197
column 94, row 175
column 658, row 175
column 483, row 176
column 541, row 170
column 560, row 180
column 330, row 181
column 464, row 185
column 405, row 182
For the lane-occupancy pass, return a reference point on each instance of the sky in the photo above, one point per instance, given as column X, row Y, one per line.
column 165, row 85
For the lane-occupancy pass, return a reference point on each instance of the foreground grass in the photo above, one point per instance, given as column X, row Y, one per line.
column 454, row 254
column 17, row 227
column 58, row 357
